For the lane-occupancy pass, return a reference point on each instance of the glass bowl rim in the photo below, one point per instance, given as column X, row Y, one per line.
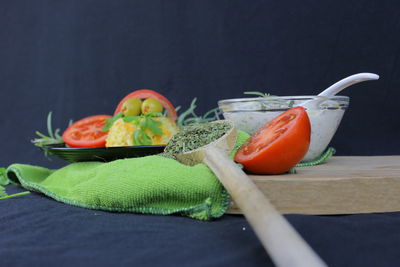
column 297, row 97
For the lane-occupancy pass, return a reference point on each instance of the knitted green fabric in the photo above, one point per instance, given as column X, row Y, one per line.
column 152, row 185
column 321, row 159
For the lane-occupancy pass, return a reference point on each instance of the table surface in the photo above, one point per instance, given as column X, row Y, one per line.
column 344, row 185
column 38, row 231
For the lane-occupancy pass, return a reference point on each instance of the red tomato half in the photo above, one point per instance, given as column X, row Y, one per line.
column 278, row 145
column 146, row 93
column 86, row 132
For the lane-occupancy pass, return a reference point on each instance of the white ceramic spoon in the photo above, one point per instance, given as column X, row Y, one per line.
column 339, row 86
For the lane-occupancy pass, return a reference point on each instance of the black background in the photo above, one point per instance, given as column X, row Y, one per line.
column 79, row 58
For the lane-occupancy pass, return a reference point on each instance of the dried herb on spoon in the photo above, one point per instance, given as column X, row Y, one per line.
column 195, row 136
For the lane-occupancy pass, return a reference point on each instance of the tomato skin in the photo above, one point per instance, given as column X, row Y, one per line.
column 147, row 93
column 86, row 132
column 282, row 153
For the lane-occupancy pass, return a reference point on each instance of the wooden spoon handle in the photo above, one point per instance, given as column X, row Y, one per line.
column 284, row 245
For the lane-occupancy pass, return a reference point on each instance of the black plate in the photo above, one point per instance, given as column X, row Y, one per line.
column 101, row 153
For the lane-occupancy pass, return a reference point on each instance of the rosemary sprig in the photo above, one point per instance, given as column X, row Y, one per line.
column 3, row 177
column 189, row 116
column 260, row 94
column 4, row 195
column 4, row 181
column 53, row 137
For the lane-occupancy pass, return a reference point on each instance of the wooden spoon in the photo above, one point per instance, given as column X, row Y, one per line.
column 284, row 245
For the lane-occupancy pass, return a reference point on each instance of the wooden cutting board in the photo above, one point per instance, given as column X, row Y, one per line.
column 342, row 185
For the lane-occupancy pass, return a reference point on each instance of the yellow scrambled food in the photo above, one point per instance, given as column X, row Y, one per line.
column 121, row 133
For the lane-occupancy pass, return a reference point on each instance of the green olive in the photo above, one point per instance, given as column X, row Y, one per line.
column 151, row 105
column 132, row 107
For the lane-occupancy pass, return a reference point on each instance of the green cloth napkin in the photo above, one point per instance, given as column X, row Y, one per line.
column 152, row 185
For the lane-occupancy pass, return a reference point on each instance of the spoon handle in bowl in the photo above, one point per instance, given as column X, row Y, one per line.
column 346, row 82
column 284, row 245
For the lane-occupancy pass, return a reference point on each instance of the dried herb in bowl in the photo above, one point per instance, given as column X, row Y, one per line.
column 195, row 136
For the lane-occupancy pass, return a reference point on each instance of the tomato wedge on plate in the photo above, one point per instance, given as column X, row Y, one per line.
column 146, row 93
column 278, row 145
column 86, row 132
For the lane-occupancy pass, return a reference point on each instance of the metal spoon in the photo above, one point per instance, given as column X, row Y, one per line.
column 284, row 245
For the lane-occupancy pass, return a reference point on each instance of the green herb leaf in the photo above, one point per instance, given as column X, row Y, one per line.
column 145, row 139
column 189, row 111
column 3, row 177
column 140, row 138
column 154, row 114
column 110, row 121
column 136, row 137
column 49, row 128
column 3, row 192
column 154, row 126
column 6, row 196
column 130, row 118
column 4, row 181
column 260, row 94
column 53, row 138
column 189, row 116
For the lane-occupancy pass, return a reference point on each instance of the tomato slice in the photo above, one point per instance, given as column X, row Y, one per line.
column 87, row 132
column 278, row 145
column 146, row 93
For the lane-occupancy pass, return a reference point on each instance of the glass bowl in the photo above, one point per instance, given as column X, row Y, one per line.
column 249, row 114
